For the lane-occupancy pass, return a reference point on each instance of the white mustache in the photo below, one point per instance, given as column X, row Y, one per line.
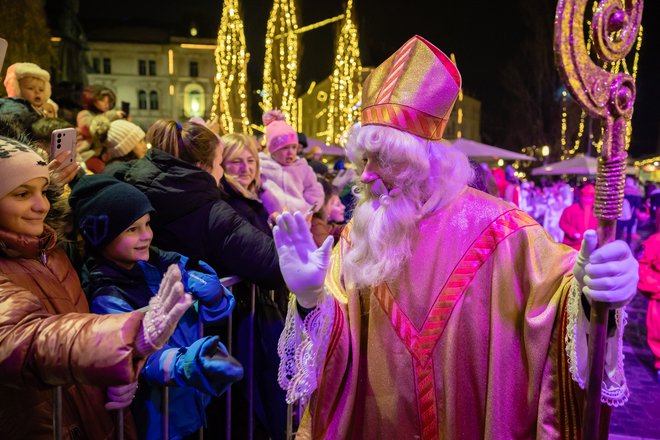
column 384, row 195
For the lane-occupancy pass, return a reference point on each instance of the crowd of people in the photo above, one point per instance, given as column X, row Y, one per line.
column 101, row 259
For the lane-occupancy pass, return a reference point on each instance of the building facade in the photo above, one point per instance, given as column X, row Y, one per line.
column 172, row 80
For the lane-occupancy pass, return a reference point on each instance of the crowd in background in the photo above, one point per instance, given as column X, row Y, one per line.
column 135, row 202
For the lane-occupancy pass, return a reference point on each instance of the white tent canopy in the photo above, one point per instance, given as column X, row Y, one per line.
column 474, row 150
column 581, row 165
column 328, row 150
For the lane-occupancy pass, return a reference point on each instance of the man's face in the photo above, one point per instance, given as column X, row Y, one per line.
column 374, row 169
column 33, row 90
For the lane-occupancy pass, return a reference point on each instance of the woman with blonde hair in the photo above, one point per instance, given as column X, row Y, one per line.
column 242, row 179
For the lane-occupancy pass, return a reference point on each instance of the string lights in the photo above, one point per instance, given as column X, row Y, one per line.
column 345, row 81
column 281, row 61
column 231, row 58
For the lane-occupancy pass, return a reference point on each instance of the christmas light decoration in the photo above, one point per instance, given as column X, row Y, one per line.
column 567, row 152
column 231, row 58
column 281, row 61
column 345, row 81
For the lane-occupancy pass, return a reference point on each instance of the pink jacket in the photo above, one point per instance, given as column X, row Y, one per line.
column 294, row 187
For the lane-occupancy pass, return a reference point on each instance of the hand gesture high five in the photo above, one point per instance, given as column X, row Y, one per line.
column 303, row 265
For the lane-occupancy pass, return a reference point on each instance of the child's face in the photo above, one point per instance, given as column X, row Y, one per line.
column 24, row 209
column 336, row 209
column 286, row 155
column 103, row 104
column 33, row 90
column 132, row 245
column 49, row 110
column 140, row 149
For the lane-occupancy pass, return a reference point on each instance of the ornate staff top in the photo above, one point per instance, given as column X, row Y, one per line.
column 602, row 94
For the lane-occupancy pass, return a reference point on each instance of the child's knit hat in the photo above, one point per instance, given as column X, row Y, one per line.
column 104, row 207
column 19, row 163
column 18, row 71
column 123, row 137
column 279, row 134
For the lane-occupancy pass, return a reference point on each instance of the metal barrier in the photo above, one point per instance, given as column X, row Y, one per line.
column 228, row 282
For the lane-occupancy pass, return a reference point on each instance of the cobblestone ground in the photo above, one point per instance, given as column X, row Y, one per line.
column 640, row 417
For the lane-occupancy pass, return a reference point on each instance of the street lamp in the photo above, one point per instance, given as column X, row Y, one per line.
column 545, row 151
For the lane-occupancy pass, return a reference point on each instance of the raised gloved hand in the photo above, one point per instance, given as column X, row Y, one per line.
column 205, row 286
column 121, row 396
column 165, row 310
column 303, row 265
column 207, row 366
column 608, row 274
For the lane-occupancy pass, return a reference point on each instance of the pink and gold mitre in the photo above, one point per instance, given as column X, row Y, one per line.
column 414, row 90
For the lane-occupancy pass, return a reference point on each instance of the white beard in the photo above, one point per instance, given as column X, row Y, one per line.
column 382, row 237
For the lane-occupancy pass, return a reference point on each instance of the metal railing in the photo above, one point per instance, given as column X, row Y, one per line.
column 228, row 282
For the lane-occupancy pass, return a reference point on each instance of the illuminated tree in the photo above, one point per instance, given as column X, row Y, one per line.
column 230, row 98
column 345, row 82
column 281, row 61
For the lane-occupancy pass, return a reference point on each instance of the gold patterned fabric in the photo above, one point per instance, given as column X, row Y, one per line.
column 414, row 90
column 465, row 344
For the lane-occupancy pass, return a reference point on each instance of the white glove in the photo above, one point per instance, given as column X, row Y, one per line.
column 303, row 265
column 165, row 310
column 120, row 397
column 608, row 274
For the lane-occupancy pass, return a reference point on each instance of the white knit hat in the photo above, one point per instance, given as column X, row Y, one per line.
column 123, row 137
column 18, row 71
column 19, row 164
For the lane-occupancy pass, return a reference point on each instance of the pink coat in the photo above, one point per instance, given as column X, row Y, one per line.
column 649, row 285
column 294, row 187
column 573, row 223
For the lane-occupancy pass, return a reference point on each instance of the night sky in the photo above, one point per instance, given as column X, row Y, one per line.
column 486, row 36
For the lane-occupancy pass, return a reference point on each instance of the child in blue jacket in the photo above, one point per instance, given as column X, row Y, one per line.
column 122, row 273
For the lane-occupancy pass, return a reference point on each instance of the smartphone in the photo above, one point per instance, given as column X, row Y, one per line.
column 3, row 51
column 63, row 139
column 126, row 108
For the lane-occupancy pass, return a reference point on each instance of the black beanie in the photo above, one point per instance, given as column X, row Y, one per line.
column 104, row 207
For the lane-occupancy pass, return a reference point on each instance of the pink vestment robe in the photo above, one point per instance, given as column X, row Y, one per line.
column 467, row 343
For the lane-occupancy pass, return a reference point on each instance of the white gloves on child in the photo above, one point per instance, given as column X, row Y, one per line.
column 608, row 274
column 121, row 396
column 303, row 265
column 165, row 310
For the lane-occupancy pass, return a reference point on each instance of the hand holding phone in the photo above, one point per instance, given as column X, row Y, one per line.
column 63, row 165
column 63, row 140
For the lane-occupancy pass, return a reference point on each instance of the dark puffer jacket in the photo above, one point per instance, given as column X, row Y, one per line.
column 192, row 219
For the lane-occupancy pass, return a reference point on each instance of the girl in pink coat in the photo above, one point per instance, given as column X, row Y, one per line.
column 288, row 182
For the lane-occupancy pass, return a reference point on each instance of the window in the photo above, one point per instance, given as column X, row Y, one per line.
column 107, row 68
column 194, row 69
column 152, row 68
column 153, row 100
column 142, row 100
column 194, row 100
column 142, row 67
column 96, row 65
